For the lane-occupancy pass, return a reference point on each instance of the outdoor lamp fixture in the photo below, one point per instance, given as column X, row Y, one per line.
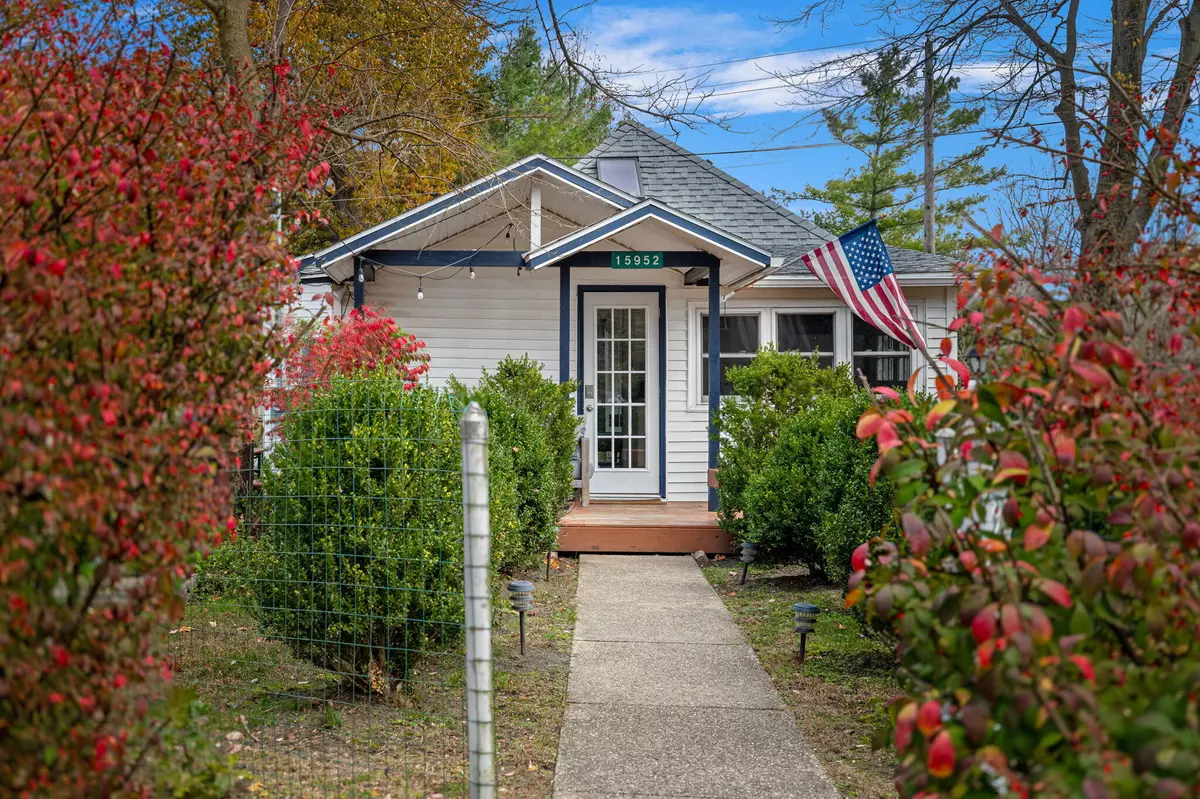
column 805, row 616
column 520, row 594
column 749, row 551
column 975, row 361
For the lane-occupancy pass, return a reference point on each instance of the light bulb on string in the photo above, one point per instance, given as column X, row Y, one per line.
column 472, row 272
column 420, row 291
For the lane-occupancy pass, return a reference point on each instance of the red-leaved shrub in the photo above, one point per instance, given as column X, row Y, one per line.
column 140, row 277
column 1044, row 592
column 363, row 341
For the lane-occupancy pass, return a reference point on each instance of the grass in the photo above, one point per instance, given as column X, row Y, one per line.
column 298, row 730
column 839, row 695
column 531, row 692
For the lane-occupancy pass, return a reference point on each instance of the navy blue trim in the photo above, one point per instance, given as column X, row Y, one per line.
column 564, row 323
column 446, row 201
column 618, row 288
column 445, row 257
column 714, row 372
column 635, row 215
column 360, row 284
column 684, row 259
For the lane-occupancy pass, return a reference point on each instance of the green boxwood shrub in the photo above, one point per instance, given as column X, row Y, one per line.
column 533, row 430
column 360, row 558
column 793, row 474
column 768, row 391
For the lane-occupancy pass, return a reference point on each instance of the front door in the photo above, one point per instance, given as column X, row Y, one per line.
column 622, row 372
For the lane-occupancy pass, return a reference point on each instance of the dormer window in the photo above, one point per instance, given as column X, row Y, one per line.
column 620, row 172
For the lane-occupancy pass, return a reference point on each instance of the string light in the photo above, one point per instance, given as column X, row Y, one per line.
column 420, row 291
column 472, row 272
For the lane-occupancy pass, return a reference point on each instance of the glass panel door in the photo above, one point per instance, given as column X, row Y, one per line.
column 621, row 377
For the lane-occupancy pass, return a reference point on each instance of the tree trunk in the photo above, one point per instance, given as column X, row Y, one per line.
column 237, row 56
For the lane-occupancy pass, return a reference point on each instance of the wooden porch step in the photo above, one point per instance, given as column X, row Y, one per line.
column 654, row 527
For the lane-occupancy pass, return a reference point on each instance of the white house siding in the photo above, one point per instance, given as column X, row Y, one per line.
column 311, row 302
column 469, row 325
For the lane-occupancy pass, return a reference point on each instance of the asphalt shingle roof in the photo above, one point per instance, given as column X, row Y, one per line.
column 689, row 183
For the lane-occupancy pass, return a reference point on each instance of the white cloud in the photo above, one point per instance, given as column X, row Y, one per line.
column 668, row 42
column 644, row 45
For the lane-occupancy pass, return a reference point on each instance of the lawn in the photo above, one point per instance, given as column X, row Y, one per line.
column 839, row 695
column 297, row 730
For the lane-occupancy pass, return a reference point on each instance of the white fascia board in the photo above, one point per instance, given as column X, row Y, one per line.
column 940, row 278
column 449, row 202
column 623, row 220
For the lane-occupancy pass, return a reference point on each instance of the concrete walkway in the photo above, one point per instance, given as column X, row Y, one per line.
column 666, row 698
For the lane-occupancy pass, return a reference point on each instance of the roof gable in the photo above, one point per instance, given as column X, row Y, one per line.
column 686, row 181
column 646, row 210
column 536, row 163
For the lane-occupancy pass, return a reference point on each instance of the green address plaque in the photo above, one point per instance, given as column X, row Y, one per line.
column 637, row 260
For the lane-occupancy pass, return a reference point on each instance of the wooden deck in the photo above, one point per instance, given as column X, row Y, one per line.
column 663, row 527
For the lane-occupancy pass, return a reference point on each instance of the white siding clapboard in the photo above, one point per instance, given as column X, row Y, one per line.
column 469, row 325
column 311, row 303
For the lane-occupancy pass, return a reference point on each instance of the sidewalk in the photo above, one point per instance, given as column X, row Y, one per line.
column 666, row 698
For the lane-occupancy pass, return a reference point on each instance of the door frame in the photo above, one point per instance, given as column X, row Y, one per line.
column 580, row 372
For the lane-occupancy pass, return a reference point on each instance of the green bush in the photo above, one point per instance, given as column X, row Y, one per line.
column 768, row 391
column 533, row 430
column 360, row 558
column 793, row 474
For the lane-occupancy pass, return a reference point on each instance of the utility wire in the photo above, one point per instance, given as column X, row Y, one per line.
column 670, row 70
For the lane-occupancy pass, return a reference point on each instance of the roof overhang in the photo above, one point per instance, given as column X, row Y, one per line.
column 708, row 236
column 776, row 281
column 471, row 193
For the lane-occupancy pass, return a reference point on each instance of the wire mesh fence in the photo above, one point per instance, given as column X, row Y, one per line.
column 328, row 639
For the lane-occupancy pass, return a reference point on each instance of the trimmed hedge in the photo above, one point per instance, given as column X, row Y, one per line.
column 812, row 500
column 533, row 430
column 793, row 474
column 360, row 559
column 768, row 391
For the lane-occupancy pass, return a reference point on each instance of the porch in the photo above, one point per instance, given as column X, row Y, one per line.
column 658, row 527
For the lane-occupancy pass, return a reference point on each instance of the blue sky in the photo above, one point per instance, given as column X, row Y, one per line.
column 672, row 38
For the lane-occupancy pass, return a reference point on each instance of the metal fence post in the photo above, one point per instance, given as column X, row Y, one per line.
column 477, row 541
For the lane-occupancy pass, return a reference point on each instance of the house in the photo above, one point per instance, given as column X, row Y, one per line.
column 608, row 272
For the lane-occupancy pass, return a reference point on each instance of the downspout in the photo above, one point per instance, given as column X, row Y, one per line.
column 360, row 284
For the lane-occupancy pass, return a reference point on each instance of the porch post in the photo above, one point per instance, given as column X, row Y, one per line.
column 564, row 323
column 714, row 370
column 360, row 284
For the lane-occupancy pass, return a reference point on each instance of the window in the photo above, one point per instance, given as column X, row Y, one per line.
column 884, row 361
column 621, row 384
column 620, row 172
column 739, row 345
column 807, row 333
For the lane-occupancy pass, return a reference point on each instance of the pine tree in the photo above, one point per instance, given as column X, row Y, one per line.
column 888, row 135
column 539, row 105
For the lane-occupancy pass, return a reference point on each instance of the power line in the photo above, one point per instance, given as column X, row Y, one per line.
column 749, row 58
column 762, row 56
column 745, row 151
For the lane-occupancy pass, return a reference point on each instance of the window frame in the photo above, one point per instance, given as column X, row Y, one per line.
column 778, row 314
column 768, row 327
column 760, row 314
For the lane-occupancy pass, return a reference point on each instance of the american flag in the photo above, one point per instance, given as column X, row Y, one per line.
column 856, row 266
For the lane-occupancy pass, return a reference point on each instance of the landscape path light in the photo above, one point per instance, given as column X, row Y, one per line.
column 749, row 551
column 805, row 616
column 520, row 594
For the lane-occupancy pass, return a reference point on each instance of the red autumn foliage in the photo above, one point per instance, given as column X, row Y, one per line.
column 1051, row 604
column 139, row 277
column 363, row 341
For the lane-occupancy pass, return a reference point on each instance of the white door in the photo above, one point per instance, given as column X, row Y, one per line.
column 621, row 390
